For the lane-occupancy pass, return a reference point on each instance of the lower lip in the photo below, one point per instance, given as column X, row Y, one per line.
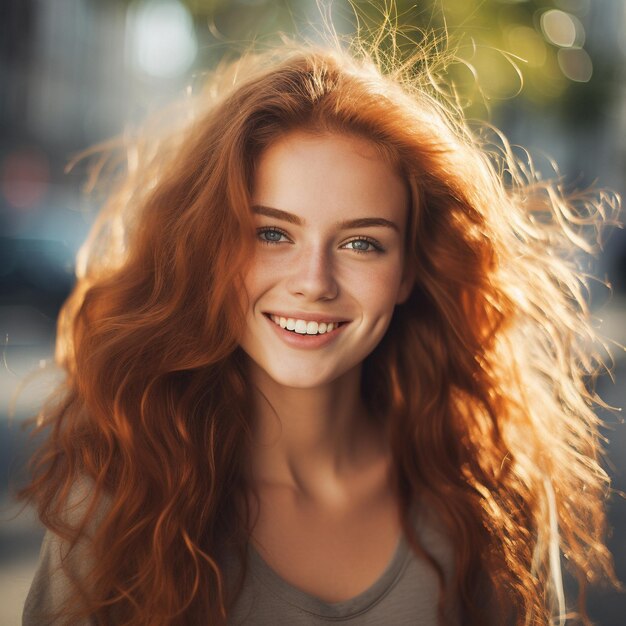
column 305, row 341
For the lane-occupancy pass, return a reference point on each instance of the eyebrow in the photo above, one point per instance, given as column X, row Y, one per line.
column 361, row 222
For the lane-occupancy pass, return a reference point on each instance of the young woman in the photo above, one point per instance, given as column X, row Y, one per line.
column 327, row 360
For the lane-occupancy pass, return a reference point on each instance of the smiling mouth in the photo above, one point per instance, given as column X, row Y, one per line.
column 304, row 327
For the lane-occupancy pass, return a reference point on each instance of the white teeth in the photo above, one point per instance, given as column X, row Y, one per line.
column 302, row 327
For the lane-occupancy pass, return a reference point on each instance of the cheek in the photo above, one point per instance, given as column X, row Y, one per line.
column 378, row 288
column 259, row 278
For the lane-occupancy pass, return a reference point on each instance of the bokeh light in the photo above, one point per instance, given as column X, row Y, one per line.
column 161, row 40
column 562, row 29
column 24, row 178
column 575, row 64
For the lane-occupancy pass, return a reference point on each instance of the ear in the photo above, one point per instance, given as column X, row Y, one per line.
column 406, row 284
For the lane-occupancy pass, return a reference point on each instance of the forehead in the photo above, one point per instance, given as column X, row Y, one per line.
column 330, row 175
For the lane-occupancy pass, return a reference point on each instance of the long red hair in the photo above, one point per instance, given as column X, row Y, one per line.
column 483, row 380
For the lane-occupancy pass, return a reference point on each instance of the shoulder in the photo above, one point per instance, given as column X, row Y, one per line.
column 65, row 565
column 84, row 503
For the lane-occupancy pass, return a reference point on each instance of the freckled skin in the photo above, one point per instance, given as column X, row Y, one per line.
column 315, row 266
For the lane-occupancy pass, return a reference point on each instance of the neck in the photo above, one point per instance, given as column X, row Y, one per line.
column 311, row 440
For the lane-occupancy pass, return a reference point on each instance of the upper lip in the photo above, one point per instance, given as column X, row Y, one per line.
column 308, row 317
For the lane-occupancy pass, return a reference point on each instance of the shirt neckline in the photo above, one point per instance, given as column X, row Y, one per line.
column 309, row 603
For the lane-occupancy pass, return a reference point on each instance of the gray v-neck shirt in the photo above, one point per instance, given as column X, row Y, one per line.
column 406, row 593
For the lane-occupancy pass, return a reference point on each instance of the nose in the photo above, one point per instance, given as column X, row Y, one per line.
column 312, row 276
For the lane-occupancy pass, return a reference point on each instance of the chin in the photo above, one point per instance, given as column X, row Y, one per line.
column 298, row 374
column 296, row 378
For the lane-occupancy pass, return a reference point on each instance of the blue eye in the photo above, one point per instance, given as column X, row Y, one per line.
column 270, row 235
column 363, row 245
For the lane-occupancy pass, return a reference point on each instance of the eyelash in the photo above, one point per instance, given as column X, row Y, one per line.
column 375, row 244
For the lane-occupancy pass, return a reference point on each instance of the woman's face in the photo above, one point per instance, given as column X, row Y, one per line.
column 328, row 266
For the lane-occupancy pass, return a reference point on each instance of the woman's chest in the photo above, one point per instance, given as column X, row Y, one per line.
column 331, row 554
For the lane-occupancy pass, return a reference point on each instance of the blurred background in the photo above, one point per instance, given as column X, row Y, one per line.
column 76, row 72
